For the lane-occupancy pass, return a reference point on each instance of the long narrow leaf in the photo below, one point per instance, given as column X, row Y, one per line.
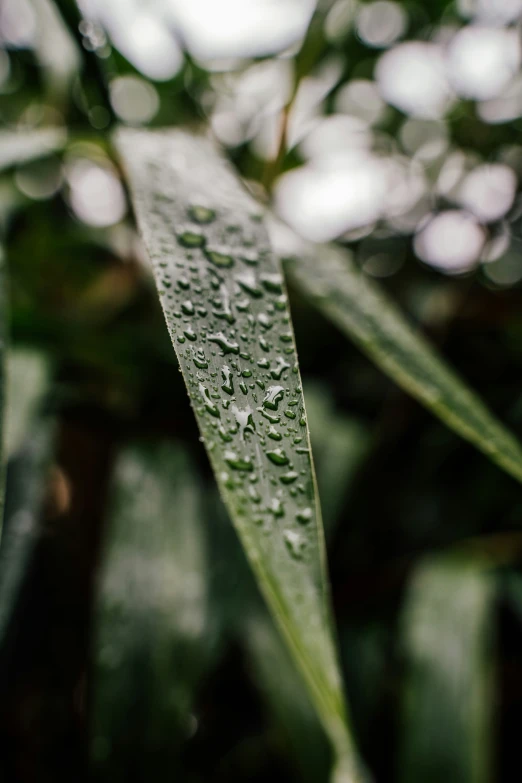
column 293, row 714
column 340, row 444
column 26, row 477
column 27, row 445
column 448, row 700
column 225, row 306
column 153, row 628
column 27, row 382
column 3, row 350
column 347, row 297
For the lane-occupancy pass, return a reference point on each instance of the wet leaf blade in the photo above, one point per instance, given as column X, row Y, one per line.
column 154, row 632
column 328, row 276
column 225, row 308
column 28, row 376
column 3, row 351
column 447, row 710
column 28, row 446
column 288, row 704
column 340, row 444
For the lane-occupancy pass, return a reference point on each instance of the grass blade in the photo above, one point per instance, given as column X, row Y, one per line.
column 359, row 308
column 301, row 733
column 340, row 445
column 28, row 375
column 153, row 628
column 224, row 303
column 448, row 700
column 28, row 444
column 3, row 350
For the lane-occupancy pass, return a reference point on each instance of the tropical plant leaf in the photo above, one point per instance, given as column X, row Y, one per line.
column 153, row 627
column 340, row 444
column 448, row 698
column 301, row 733
column 26, row 477
column 22, row 147
column 3, row 350
column 226, row 310
column 27, row 444
column 27, row 381
column 327, row 275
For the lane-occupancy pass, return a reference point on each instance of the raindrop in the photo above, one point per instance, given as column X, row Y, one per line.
column 277, row 456
column 224, row 435
column 248, row 283
column 274, row 434
column 272, row 419
column 289, row 478
column 290, row 414
column 244, row 420
column 295, row 544
column 272, row 283
column 250, row 258
column 304, row 516
column 191, row 239
column 222, row 260
column 201, row 215
column 281, row 367
column 209, row 405
column 227, row 386
column 200, row 360
column 276, row 508
column 255, row 497
column 190, row 334
column 227, row 346
column 273, row 397
column 264, row 321
column 264, row 345
column 237, row 462
column 187, row 307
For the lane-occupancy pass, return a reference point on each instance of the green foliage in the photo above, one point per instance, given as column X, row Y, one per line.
column 448, row 706
column 359, row 308
column 28, row 445
column 225, row 305
column 155, row 632
column 134, row 643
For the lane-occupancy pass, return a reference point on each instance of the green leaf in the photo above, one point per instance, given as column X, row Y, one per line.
column 27, row 381
column 447, row 716
column 154, row 630
column 27, row 444
column 340, row 444
column 301, row 734
column 18, row 147
column 226, row 310
column 24, row 498
column 359, row 308
column 3, row 349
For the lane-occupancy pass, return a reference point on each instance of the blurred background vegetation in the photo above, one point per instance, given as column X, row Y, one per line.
column 392, row 127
